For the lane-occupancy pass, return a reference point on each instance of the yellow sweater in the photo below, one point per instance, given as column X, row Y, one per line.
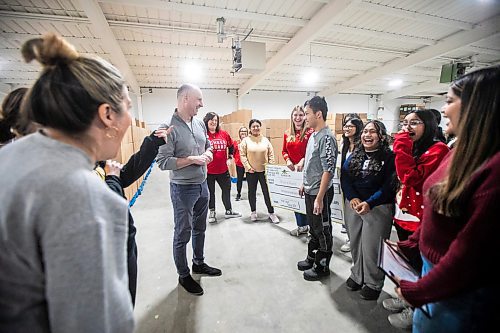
column 255, row 152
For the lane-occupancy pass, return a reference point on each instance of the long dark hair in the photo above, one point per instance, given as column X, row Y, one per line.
column 10, row 119
column 439, row 131
column 357, row 137
column 209, row 116
column 428, row 138
column 478, row 137
column 377, row 158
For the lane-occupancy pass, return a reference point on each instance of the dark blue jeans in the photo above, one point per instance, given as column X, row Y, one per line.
column 190, row 203
column 470, row 311
column 301, row 219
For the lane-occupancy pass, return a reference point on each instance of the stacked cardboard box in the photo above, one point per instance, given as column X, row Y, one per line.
column 232, row 128
column 275, row 129
column 240, row 116
column 131, row 144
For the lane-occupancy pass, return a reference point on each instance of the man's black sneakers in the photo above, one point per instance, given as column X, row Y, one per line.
column 205, row 269
column 191, row 285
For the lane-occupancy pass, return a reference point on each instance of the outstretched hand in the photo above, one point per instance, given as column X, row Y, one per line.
column 163, row 132
column 113, row 168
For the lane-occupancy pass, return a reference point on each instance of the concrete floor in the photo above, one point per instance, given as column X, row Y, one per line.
column 260, row 289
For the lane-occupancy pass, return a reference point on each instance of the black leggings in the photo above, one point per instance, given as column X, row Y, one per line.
column 241, row 173
column 252, row 180
column 224, row 181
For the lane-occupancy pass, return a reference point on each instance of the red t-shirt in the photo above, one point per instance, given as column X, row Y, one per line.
column 220, row 142
column 236, row 154
column 295, row 150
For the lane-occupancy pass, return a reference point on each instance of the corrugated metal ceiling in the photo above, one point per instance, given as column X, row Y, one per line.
column 359, row 49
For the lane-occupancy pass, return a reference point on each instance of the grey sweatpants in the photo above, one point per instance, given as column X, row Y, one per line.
column 365, row 232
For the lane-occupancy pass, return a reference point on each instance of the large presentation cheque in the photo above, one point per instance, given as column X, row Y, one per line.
column 284, row 187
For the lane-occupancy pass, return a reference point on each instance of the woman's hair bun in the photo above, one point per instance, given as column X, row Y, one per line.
column 49, row 50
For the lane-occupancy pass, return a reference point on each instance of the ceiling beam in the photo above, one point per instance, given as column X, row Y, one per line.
column 483, row 50
column 381, row 34
column 36, row 16
column 22, row 37
column 413, row 15
column 177, row 47
column 179, row 29
column 211, row 11
column 15, row 55
column 318, row 24
column 101, row 28
column 25, row 82
column 415, row 89
column 144, row 61
column 458, row 40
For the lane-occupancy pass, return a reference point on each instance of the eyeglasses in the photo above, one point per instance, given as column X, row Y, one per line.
column 411, row 123
column 348, row 126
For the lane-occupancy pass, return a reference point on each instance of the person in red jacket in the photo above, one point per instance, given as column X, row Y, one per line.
column 217, row 170
column 418, row 153
column 240, row 169
column 294, row 152
column 457, row 238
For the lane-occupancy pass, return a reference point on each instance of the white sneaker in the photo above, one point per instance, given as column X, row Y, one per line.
column 211, row 217
column 300, row 230
column 274, row 218
column 230, row 214
column 253, row 216
column 395, row 304
column 346, row 247
column 403, row 320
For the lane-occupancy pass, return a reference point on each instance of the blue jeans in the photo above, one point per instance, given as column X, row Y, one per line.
column 470, row 311
column 301, row 219
column 190, row 203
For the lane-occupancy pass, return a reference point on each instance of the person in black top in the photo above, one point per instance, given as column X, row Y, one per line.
column 118, row 178
column 368, row 179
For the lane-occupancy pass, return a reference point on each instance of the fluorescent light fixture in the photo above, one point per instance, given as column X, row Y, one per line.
column 310, row 77
column 192, row 72
column 395, row 83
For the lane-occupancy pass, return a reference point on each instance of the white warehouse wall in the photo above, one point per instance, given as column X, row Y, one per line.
column 159, row 105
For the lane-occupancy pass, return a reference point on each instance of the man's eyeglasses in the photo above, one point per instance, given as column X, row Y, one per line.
column 411, row 123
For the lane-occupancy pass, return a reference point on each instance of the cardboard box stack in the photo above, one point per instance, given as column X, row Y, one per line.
column 242, row 116
column 275, row 129
column 232, row 129
column 131, row 144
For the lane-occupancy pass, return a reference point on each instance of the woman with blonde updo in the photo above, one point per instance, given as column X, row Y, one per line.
column 63, row 231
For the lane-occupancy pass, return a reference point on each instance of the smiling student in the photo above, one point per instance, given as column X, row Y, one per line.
column 368, row 181
column 255, row 152
column 418, row 153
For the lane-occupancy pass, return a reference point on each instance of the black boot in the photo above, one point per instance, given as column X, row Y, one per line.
column 305, row 264
column 320, row 268
column 309, row 261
